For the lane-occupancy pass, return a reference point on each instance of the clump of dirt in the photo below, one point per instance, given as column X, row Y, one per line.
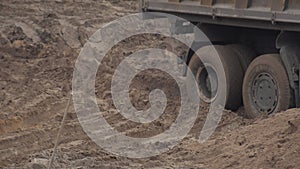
column 39, row 44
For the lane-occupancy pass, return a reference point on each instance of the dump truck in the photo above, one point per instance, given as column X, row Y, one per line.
column 258, row 42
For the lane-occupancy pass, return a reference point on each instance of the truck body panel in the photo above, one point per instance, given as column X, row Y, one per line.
column 267, row 14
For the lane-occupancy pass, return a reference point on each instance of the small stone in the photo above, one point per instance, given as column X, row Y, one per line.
column 252, row 155
column 38, row 166
column 39, row 163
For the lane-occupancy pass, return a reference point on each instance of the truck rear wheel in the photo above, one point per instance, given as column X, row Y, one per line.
column 266, row 88
column 246, row 55
column 208, row 76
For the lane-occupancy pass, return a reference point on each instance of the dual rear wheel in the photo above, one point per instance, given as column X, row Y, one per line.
column 260, row 84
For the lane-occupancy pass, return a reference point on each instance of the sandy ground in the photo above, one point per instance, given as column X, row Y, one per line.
column 39, row 44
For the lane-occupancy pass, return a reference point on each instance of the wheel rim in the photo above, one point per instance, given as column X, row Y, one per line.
column 264, row 93
column 208, row 83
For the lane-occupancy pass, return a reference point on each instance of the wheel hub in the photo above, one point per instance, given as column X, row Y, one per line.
column 265, row 93
column 208, row 83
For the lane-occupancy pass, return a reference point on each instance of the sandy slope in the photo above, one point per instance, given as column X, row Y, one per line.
column 40, row 42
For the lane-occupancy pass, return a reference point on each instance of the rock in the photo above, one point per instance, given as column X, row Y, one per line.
column 70, row 35
column 39, row 163
column 38, row 166
column 14, row 33
column 45, row 36
column 29, row 31
column 3, row 41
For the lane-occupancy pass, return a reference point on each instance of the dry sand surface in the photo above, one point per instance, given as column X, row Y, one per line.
column 39, row 44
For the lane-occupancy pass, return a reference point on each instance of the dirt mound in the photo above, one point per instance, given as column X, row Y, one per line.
column 39, row 44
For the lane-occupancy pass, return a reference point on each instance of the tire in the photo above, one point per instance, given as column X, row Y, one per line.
column 232, row 70
column 266, row 88
column 246, row 55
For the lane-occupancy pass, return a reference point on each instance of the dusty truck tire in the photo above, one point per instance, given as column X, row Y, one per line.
column 266, row 88
column 233, row 75
column 246, row 55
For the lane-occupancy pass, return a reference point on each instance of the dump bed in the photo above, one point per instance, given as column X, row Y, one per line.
column 268, row 14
